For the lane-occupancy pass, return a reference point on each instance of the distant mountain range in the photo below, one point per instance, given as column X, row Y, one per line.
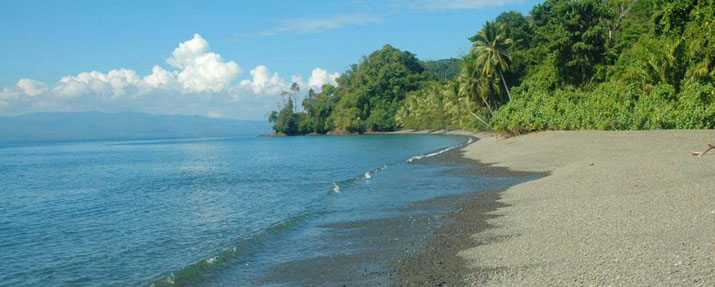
column 61, row 126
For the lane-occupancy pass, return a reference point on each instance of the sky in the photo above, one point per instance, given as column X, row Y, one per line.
column 224, row 59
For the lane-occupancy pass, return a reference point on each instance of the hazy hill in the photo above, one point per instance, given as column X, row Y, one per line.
column 113, row 126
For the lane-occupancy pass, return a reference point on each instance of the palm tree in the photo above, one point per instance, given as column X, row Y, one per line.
column 466, row 86
column 452, row 102
column 490, row 47
column 472, row 85
column 659, row 64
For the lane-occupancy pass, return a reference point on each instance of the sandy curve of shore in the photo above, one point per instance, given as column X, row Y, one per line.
column 617, row 209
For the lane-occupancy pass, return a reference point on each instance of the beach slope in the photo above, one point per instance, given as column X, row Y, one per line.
column 617, row 208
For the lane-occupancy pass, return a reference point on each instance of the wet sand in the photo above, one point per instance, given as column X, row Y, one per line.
column 392, row 251
column 438, row 263
column 418, row 248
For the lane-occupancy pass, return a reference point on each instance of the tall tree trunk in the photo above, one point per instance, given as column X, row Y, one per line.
column 459, row 112
column 295, row 102
column 487, row 104
column 475, row 115
column 504, row 82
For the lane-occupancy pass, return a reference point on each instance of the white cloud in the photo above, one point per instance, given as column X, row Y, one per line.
column 188, row 51
column 317, row 25
column 458, row 4
column 208, row 73
column 31, row 87
column 202, row 70
column 198, row 71
column 198, row 82
column 320, row 77
column 263, row 82
column 160, row 78
column 115, row 83
column 7, row 95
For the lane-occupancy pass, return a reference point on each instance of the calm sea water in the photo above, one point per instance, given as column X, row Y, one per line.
column 202, row 211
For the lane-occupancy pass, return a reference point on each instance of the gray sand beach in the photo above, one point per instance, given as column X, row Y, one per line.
column 593, row 208
column 617, row 209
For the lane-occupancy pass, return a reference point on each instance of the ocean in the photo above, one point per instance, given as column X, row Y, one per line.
column 240, row 211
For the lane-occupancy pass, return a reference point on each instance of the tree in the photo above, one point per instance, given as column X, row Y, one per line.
column 490, row 47
column 623, row 7
column 295, row 89
column 651, row 62
column 518, row 28
column 284, row 96
column 319, row 107
column 273, row 117
column 452, row 92
column 468, row 85
column 444, row 69
column 371, row 92
column 574, row 31
column 286, row 120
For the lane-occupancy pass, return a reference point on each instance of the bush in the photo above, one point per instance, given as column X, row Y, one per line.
column 696, row 107
column 609, row 106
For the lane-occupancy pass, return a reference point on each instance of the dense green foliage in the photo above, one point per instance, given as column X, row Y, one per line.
column 635, row 65
column 444, row 69
column 569, row 64
column 366, row 99
column 371, row 92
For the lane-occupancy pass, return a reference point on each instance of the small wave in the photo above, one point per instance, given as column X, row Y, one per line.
column 336, row 188
column 195, row 273
column 338, row 185
column 418, row 157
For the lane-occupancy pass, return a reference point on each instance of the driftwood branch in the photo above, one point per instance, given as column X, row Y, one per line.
column 700, row 154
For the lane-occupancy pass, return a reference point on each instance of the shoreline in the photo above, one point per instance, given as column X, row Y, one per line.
column 615, row 208
column 400, row 250
column 438, row 263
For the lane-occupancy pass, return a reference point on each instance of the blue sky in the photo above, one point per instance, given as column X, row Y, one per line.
column 236, row 55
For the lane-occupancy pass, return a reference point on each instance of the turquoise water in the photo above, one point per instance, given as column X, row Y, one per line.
column 202, row 211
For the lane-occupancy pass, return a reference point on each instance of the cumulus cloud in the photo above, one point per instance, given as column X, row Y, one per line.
column 320, row 77
column 115, row 83
column 198, row 70
column 188, row 51
column 263, row 82
column 198, row 81
column 160, row 78
column 24, row 90
column 31, row 87
column 7, row 95
column 202, row 70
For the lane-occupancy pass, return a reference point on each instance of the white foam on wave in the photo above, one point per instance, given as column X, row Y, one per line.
column 367, row 175
column 418, row 157
column 336, row 188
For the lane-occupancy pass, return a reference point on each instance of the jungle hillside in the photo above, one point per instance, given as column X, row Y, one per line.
column 567, row 65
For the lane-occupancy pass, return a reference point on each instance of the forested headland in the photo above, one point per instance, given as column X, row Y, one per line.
column 568, row 64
